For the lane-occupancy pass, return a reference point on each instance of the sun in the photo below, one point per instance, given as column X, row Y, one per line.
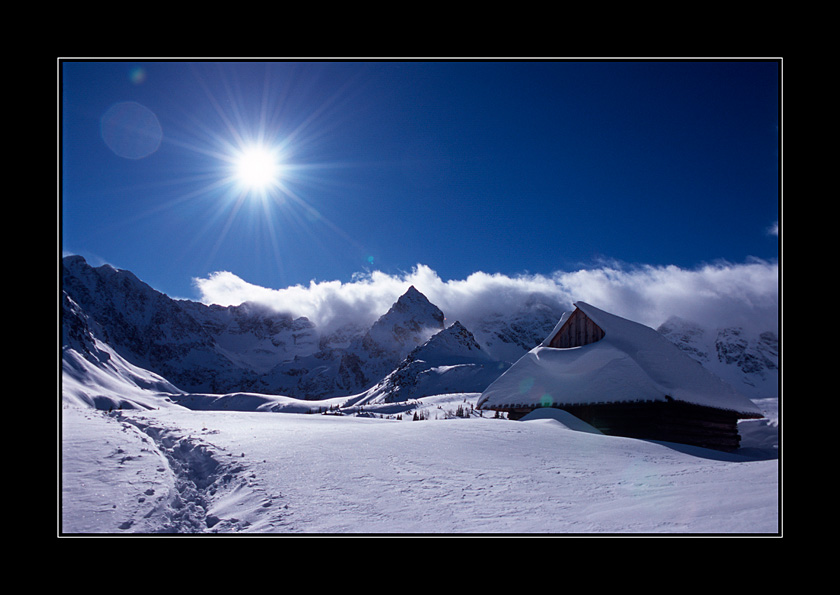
column 257, row 168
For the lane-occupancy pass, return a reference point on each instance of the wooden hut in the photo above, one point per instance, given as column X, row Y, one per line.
column 624, row 379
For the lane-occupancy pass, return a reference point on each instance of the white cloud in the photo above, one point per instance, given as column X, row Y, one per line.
column 714, row 294
column 720, row 294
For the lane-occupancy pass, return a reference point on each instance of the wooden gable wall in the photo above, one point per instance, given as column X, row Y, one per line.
column 578, row 330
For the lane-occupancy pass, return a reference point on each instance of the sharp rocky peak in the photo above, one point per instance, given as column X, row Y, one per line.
column 413, row 299
column 411, row 314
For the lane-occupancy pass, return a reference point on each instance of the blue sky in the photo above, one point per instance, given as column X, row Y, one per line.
column 502, row 167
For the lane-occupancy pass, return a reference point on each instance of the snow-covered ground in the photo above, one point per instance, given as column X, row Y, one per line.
column 262, row 471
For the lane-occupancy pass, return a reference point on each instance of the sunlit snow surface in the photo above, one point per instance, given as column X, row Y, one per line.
column 176, row 470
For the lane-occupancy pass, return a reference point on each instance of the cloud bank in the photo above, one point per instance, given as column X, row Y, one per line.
column 721, row 294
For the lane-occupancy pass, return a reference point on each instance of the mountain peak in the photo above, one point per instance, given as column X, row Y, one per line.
column 413, row 311
column 450, row 361
column 411, row 296
column 73, row 260
column 456, row 342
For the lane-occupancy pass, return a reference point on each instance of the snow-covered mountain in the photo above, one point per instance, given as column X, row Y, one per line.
column 747, row 360
column 450, row 361
column 253, row 336
column 253, row 348
column 110, row 316
column 508, row 335
column 410, row 322
column 95, row 375
column 147, row 328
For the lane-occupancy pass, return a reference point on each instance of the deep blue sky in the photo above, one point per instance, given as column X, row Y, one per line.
column 506, row 167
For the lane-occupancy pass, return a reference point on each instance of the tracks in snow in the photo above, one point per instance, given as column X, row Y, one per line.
column 213, row 491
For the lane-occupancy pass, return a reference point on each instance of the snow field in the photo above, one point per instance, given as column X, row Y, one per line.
column 175, row 470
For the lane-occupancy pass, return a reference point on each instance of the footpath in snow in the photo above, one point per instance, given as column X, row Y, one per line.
column 178, row 471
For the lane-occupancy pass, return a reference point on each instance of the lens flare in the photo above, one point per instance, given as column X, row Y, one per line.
column 131, row 130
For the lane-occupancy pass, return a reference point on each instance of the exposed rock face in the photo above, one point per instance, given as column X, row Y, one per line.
column 747, row 360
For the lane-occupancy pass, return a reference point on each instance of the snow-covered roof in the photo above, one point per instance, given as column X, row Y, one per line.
column 631, row 363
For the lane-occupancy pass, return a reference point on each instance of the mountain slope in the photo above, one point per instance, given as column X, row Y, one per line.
column 147, row 328
column 451, row 361
column 94, row 375
column 406, row 325
column 749, row 361
column 508, row 335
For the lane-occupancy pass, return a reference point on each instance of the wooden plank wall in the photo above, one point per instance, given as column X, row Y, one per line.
column 578, row 330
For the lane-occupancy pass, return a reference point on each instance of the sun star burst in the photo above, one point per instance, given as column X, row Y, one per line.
column 257, row 168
